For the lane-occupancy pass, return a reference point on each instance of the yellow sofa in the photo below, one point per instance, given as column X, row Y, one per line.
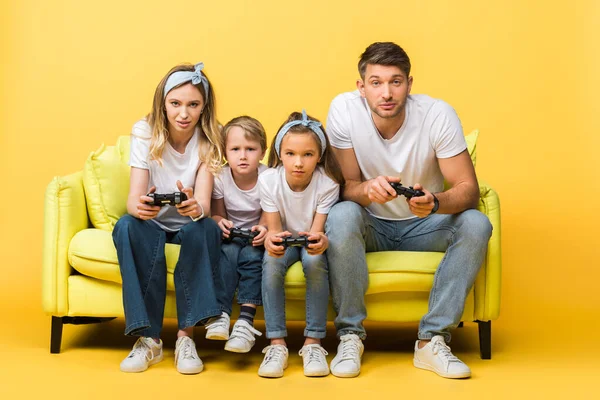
column 82, row 283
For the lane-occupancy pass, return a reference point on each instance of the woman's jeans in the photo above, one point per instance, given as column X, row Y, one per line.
column 240, row 266
column 352, row 231
column 317, row 292
column 141, row 251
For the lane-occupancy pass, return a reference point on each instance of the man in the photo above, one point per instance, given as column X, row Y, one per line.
column 381, row 134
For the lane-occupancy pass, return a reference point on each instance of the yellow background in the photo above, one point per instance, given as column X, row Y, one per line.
column 75, row 74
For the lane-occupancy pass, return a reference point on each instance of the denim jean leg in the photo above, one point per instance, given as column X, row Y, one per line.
column 273, row 291
column 317, row 294
column 249, row 270
column 226, row 274
column 141, row 253
column 464, row 238
column 194, row 283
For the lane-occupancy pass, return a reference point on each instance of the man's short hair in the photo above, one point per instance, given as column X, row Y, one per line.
column 384, row 53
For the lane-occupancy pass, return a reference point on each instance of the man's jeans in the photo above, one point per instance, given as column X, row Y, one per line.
column 317, row 292
column 141, row 252
column 240, row 266
column 352, row 231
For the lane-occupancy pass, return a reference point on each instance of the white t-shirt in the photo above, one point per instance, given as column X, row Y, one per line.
column 176, row 166
column 297, row 209
column 431, row 130
column 243, row 206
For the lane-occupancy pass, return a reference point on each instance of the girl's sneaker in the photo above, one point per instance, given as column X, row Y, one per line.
column 186, row 357
column 217, row 328
column 242, row 338
column 146, row 352
column 275, row 361
column 314, row 360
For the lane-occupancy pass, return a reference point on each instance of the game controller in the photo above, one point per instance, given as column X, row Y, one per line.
column 241, row 233
column 167, row 198
column 300, row 241
column 408, row 192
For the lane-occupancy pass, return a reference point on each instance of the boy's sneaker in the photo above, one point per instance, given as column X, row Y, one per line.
column 275, row 361
column 346, row 363
column 186, row 357
column 314, row 360
column 217, row 328
column 436, row 356
column 146, row 352
column 241, row 339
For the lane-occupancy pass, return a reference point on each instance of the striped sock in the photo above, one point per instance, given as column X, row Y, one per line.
column 247, row 313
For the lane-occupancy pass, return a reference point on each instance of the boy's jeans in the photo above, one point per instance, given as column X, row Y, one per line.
column 317, row 292
column 352, row 231
column 141, row 252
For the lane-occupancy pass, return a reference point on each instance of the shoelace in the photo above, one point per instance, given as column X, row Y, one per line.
column 186, row 348
column 221, row 322
column 314, row 354
column 273, row 353
column 349, row 348
column 443, row 350
column 244, row 331
column 141, row 348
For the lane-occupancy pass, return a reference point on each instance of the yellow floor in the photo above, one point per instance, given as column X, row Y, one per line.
column 528, row 362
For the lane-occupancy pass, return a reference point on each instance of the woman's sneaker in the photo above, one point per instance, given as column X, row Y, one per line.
column 186, row 356
column 275, row 361
column 217, row 328
column 242, row 338
column 146, row 352
column 314, row 360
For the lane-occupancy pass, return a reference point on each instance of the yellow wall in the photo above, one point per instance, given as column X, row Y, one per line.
column 76, row 74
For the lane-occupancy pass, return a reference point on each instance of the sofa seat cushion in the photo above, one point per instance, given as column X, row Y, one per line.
column 92, row 253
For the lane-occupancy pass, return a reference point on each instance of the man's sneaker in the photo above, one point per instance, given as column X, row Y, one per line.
column 275, row 361
column 346, row 363
column 217, row 328
column 314, row 360
column 146, row 352
column 241, row 339
column 186, row 357
column 436, row 356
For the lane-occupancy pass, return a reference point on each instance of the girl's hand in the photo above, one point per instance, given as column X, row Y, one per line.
column 225, row 226
column 273, row 244
column 260, row 238
column 190, row 207
column 316, row 248
column 145, row 210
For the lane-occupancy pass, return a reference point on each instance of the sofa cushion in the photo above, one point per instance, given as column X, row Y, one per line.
column 92, row 253
column 471, row 140
column 106, row 183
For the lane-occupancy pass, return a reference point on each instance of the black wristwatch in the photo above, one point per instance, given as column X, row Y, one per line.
column 436, row 204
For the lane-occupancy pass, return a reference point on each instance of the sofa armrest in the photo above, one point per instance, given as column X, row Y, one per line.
column 65, row 214
column 488, row 282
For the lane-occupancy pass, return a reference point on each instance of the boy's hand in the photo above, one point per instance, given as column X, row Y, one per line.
column 259, row 240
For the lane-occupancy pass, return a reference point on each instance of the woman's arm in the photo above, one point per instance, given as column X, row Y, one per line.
column 137, row 201
column 198, row 203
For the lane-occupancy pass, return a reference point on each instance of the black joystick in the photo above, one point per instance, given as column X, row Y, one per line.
column 408, row 192
column 300, row 241
column 241, row 233
column 170, row 199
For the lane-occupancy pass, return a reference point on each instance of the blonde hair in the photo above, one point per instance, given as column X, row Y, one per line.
column 209, row 141
column 327, row 160
column 253, row 130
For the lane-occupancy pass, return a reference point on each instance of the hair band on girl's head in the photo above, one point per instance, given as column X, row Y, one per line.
column 179, row 77
column 309, row 123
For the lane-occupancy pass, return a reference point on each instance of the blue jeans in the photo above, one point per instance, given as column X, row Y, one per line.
column 240, row 266
column 141, row 252
column 317, row 292
column 352, row 231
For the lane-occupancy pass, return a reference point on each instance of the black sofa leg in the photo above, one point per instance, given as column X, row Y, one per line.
column 56, row 335
column 485, row 339
column 460, row 324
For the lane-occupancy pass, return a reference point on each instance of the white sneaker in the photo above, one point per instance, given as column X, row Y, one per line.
column 241, row 339
column 314, row 360
column 436, row 356
column 217, row 328
column 275, row 361
column 346, row 363
column 186, row 356
column 146, row 352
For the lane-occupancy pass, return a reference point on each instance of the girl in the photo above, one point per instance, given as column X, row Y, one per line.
column 236, row 203
column 174, row 149
column 296, row 195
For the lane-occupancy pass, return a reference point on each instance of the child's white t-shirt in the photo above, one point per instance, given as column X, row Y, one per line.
column 431, row 130
column 243, row 206
column 297, row 209
column 176, row 166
